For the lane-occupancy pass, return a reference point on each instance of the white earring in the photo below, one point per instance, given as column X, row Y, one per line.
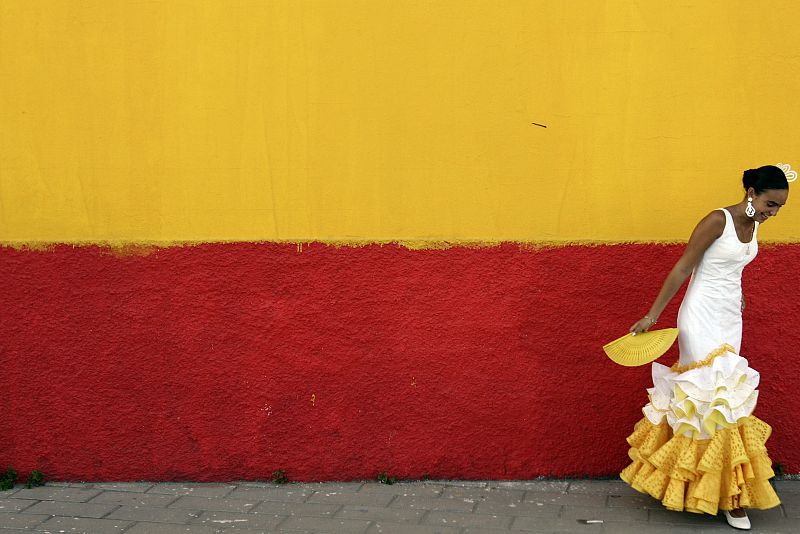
column 749, row 210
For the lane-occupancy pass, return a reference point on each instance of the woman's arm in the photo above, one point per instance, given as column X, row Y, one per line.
column 706, row 232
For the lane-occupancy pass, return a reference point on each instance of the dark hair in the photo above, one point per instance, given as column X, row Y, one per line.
column 763, row 178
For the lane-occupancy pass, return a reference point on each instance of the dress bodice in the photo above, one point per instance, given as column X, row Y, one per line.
column 719, row 272
column 710, row 315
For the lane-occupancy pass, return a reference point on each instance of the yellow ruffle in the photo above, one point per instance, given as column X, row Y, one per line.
column 731, row 470
column 708, row 360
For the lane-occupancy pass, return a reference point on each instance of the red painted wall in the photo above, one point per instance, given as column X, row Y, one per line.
column 230, row 361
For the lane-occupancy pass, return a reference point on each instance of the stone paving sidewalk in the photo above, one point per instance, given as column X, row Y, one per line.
column 570, row 506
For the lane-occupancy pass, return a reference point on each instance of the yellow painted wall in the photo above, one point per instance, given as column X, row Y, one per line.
column 389, row 119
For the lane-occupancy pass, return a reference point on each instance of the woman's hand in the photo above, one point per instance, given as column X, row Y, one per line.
column 743, row 304
column 642, row 325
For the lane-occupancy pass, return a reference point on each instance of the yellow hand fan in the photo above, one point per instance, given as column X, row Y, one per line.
column 630, row 350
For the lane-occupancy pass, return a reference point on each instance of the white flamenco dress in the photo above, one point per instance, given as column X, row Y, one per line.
column 698, row 447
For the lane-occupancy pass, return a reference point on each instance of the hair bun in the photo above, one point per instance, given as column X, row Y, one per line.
column 766, row 177
column 749, row 178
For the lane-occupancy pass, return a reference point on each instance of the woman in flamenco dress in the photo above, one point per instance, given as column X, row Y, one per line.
column 699, row 447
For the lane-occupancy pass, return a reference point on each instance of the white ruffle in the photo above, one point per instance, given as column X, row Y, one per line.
column 699, row 400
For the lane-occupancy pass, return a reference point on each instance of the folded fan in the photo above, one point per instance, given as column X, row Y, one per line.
column 630, row 350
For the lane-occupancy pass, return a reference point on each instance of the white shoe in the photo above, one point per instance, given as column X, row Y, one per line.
column 742, row 523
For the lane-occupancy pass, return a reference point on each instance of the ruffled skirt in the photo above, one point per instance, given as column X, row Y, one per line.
column 699, row 448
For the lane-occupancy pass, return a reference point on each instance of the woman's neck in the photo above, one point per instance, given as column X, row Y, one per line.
column 740, row 216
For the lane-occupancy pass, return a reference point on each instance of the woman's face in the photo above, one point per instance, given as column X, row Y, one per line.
column 768, row 203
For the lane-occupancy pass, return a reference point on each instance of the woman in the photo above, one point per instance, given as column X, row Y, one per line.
column 699, row 448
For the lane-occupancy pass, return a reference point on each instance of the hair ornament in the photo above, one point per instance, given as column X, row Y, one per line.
column 791, row 175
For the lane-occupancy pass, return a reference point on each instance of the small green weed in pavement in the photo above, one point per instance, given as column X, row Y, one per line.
column 279, row 477
column 8, row 479
column 384, row 478
column 36, row 478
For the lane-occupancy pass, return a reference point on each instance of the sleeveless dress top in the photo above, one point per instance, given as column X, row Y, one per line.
column 710, row 314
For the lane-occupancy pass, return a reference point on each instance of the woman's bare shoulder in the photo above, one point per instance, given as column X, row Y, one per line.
column 710, row 227
column 715, row 219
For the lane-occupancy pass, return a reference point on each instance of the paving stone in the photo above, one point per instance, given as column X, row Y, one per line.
column 82, row 524
column 767, row 515
column 785, row 528
column 161, row 528
column 553, row 526
column 714, row 527
column 329, row 487
column 79, row 509
column 155, row 515
column 463, row 483
column 523, row 508
column 787, row 486
column 382, row 527
column 134, row 499
column 789, row 498
column 325, row 524
column 49, row 493
column 484, row 494
column 138, row 487
column 648, row 528
column 262, row 484
column 791, row 503
column 606, row 514
column 548, row 486
column 548, row 506
column 432, row 503
column 288, row 508
column 572, row 499
column 288, row 494
column 193, row 489
column 415, row 489
column 350, row 497
column 456, row 519
column 771, row 520
column 380, row 513
column 237, row 520
column 792, row 511
column 5, row 494
column 634, row 501
column 665, row 516
column 615, row 487
column 222, row 504
column 21, row 520
column 15, row 505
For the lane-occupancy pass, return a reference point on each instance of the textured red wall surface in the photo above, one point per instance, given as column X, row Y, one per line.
column 231, row 361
